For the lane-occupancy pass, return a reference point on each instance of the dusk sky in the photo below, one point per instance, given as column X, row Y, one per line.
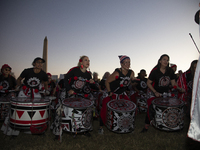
column 100, row 29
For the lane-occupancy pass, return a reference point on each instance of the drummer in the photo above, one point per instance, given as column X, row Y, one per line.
column 7, row 81
column 77, row 83
column 139, row 86
column 116, row 85
column 33, row 78
column 158, row 82
column 78, row 80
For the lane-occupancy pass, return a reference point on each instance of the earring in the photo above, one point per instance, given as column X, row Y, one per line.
column 82, row 66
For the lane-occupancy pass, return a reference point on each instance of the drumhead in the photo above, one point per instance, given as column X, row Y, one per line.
column 121, row 105
column 168, row 102
column 30, row 100
column 4, row 100
column 77, row 103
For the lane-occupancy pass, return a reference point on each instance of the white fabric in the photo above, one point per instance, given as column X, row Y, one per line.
column 194, row 128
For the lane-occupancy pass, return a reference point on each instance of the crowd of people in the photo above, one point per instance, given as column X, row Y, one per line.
column 80, row 82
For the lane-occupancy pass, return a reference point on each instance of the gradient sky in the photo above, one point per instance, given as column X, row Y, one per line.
column 100, row 29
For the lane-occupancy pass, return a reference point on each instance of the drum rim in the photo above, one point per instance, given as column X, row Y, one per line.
column 182, row 103
column 123, row 111
column 92, row 103
column 31, row 100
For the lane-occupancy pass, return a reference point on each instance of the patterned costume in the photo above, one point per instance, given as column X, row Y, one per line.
column 118, row 87
column 161, row 84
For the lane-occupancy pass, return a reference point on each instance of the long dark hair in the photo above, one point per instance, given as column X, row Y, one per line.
column 161, row 57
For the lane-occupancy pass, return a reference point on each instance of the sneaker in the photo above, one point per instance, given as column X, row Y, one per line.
column 144, row 130
column 100, row 131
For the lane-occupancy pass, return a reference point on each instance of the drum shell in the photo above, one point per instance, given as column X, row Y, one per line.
column 142, row 104
column 121, row 121
column 23, row 114
column 4, row 107
column 168, row 116
column 77, row 117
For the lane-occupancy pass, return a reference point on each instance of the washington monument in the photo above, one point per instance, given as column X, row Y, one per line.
column 45, row 54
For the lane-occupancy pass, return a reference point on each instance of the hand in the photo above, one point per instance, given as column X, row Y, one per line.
column 157, row 94
column 182, row 90
column 91, row 81
column 70, row 92
column 47, row 92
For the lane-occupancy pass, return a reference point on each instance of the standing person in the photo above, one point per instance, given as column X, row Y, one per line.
column 33, row 77
column 158, row 82
column 78, row 82
column 7, row 82
column 116, row 85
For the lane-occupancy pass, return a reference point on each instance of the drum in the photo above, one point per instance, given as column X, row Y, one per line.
column 121, row 116
column 78, row 114
column 28, row 113
column 4, row 107
column 142, row 103
column 169, row 113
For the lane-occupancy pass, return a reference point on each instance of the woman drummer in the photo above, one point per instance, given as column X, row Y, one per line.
column 78, row 80
column 7, row 81
column 33, row 78
column 77, row 83
column 116, row 85
column 158, row 82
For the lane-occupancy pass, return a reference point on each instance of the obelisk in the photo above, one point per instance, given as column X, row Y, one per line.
column 45, row 54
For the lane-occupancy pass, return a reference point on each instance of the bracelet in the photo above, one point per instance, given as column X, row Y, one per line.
column 109, row 93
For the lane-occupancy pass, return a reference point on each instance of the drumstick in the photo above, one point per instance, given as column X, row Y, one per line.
column 194, row 42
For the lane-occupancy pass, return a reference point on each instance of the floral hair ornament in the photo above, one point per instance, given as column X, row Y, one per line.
column 80, row 60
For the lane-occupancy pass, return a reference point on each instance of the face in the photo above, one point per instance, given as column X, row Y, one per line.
column 86, row 62
column 39, row 64
column 6, row 71
column 164, row 61
column 49, row 78
column 107, row 74
column 143, row 74
column 126, row 64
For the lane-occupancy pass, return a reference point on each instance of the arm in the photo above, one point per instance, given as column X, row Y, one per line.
column 149, row 84
column 173, row 82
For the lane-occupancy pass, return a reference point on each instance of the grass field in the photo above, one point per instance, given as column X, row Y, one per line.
column 154, row 139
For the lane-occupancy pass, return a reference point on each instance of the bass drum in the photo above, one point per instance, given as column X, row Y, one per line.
column 121, row 116
column 4, row 107
column 29, row 114
column 77, row 115
column 169, row 114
